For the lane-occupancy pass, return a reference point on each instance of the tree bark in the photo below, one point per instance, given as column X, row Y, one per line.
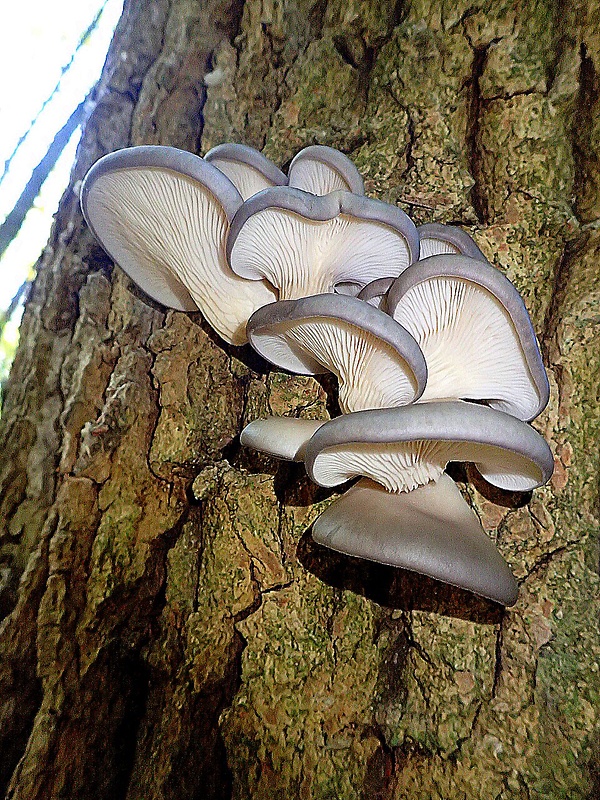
column 170, row 630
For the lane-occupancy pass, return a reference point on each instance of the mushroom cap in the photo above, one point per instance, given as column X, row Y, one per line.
column 320, row 170
column 436, row 239
column 403, row 448
column 376, row 362
column 163, row 214
column 247, row 168
column 430, row 530
column 375, row 293
column 475, row 332
column 281, row 437
column 304, row 244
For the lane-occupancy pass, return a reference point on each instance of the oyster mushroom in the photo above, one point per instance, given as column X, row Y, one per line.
column 431, row 531
column 320, row 170
column 316, row 169
column 247, row 168
column 376, row 361
column 436, row 239
column 281, row 437
column 163, row 215
column 416, row 518
column 475, row 333
column 305, row 245
column 403, row 448
column 375, row 293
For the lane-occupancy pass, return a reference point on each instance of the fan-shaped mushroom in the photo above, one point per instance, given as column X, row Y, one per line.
column 436, row 239
column 419, row 520
column 247, row 168
column 475, row 333
column 376, row 361
column 304, row 245
column 320, row 170
column 403, row 448
column 281, row 437
column 163, row 214
column 430, row 530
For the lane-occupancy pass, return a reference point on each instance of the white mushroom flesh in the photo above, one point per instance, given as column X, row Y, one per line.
column 282, row 437
column 303, row 257
column 436, row 247
column 402, row 466
column 371, row 374
column 316, row 177
column 246, row 179
column 470, row 345
column 155, row 219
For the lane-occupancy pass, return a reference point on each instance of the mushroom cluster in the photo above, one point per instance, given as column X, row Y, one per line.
column 433, row 349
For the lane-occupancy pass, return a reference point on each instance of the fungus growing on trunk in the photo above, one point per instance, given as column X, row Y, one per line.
column 475, row 333
column 436, row 239
column 417, row 519
column 247, row 168
column 305, row 245
column 281, row 437
column 376, row 361
column 163, row 215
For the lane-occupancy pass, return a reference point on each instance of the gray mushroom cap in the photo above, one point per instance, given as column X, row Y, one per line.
column 430, row 530
column 320, row 170
column 376, row 362
column 375, row 293
column 247, row 168
column 163, row 214
column 475, row 332
column 281, row 437
column 437, row 239
column 305, row 245
column 403, row 448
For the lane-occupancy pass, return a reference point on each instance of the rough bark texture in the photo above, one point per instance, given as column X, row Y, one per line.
column 170, row 630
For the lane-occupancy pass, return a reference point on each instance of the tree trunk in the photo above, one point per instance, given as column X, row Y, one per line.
column 170, row 629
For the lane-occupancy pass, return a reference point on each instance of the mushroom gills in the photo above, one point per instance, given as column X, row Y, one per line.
column 377, row 363
column 305, row 245
column 163, row 217
column 320, row 170
column 470, row 344
column 430, row 530
column 402, row 448
column 247, row 168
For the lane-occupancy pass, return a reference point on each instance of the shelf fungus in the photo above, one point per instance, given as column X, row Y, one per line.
column 376, row 361
column 304, row 244
column 405, row 511
column 247, row 168
column 436, row 239
column 316, row 169
column 163, row 215
column 475, row 333
column 434, row 351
